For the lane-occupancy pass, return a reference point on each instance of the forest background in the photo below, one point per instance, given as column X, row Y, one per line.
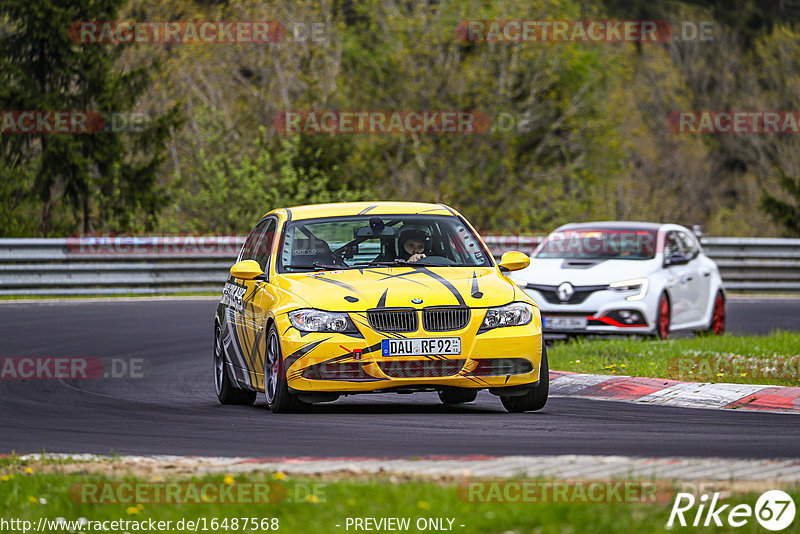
column 579, row 129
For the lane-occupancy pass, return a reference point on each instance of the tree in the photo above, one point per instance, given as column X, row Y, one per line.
column 786, row 213
column 104, row 180
column 226, row 191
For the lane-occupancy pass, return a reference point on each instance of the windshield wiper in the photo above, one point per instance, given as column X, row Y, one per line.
column 394, row 263
column 317, row 266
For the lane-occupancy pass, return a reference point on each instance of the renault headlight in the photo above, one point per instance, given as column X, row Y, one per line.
column 514, row 314
column 638, row 286
column 310, row 320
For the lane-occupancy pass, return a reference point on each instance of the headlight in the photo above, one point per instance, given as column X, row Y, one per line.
column 514, row 314
column 308, row 320
column 639, row 285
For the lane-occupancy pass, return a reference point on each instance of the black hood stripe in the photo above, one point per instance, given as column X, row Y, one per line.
column 337, row 283
column 302, row 351
column 382, row 300
column 476, row 292
column 403, row 275
column 446, row 283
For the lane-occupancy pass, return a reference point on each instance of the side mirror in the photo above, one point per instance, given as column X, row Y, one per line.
column 246, row 270
column 513, row 261
column 677, row 258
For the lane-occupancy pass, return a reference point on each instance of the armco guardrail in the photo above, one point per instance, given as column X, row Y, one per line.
column 189, row 264
column 755, row 264
column 747, row 264
column 139, row 265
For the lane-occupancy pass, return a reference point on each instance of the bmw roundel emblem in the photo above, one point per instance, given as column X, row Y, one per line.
column 416, row 301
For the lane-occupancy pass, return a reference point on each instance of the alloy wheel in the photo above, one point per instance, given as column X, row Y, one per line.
column 219, row 362
column 271, row 367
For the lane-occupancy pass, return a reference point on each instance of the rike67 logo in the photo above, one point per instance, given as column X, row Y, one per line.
column 774, row 510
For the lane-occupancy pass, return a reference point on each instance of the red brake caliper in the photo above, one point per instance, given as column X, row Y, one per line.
column 664, row 317
column 719, row 315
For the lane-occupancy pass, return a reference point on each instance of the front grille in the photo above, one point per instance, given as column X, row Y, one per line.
column 581, row 293
column 393, row 320
column 444, row 319
column 502, row 366
column 421, row 368
column 577, row 298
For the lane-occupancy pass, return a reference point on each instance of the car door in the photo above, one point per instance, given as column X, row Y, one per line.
column 678, row 279
column 698, row 285
column 260, row 298
column 236, row 339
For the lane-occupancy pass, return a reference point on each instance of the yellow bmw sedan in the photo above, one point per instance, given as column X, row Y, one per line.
column 358, row 297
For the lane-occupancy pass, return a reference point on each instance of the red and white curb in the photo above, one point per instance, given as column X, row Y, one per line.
column 661, row 391
column 562, row 467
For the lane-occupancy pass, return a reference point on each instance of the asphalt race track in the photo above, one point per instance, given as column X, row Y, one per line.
column 172, row 409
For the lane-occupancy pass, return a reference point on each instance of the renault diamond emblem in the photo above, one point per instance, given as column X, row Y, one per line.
column 565, row 291
column 416, row 301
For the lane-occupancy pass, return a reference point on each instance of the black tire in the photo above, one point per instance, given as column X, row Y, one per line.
column 536, row 398
column 451, row 395
column 227, row 393
column 276, row 389
column 663, row 317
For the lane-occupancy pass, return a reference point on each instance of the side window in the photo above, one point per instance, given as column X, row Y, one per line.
column 672, row 244
column 264, row 247
column 249, row 248
column 689, row 245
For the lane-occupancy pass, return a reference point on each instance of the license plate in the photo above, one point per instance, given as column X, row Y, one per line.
column 566, row 323
column 428, row 346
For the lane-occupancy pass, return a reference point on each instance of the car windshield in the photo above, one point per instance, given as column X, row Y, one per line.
column 389, row 240
column 600, row 243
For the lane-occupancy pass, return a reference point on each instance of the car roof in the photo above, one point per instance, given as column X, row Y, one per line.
column 613, row 225
column 340, row 209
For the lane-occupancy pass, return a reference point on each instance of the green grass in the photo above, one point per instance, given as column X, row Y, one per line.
column 773, row 359
column 14, row 463
column 46, row 493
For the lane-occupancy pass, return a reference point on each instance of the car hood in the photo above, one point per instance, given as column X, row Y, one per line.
column 553, row 272
column 363, row 289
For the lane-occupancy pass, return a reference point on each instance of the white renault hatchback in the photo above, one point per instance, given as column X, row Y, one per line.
column 624, row 278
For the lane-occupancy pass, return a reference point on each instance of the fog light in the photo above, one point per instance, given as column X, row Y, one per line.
column 627, row 317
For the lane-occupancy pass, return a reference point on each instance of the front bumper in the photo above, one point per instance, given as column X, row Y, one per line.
column 599, row 313
column 342, row 363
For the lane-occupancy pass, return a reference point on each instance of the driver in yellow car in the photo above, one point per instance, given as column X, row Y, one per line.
column 412, row 245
